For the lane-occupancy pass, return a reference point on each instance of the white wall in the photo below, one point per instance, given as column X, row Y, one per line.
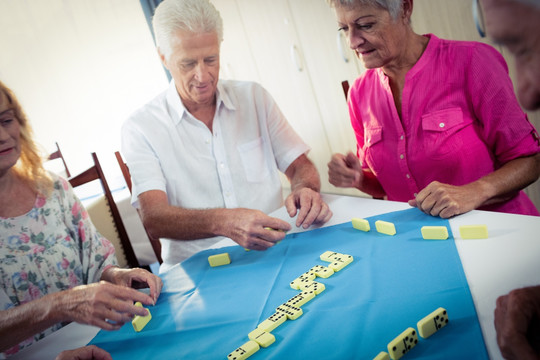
column 79, row 68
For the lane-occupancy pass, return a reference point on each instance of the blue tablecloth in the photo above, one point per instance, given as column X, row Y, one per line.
column 394, row 281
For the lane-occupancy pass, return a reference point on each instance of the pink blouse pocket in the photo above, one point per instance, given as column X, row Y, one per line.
column 441, row 132
column 373, row 154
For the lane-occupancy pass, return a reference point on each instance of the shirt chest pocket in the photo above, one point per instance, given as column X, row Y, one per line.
column 254, row 161
column 374, row 149
column 441, row 132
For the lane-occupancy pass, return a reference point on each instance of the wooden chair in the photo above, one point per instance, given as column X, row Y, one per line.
column 58, row 155
column 345, row 87
column 156, row 245
column 105, row 215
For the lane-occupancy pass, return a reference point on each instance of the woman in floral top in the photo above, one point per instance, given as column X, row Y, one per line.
column 54, row 265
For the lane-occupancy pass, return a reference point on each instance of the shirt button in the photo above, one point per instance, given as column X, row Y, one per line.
column 207, row 141
column 415, row 194
column 401, row 156
column 441, row 125
column 222, row 165
column 408, row 176
column 401, row 137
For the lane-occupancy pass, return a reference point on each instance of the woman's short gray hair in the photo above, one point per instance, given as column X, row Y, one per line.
column 191, row 15
column 392, row 6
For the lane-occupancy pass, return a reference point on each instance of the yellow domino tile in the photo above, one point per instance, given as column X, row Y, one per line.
column 302, row 298
column 317, row 287
column 360, row 224
column 302, row 279
column 244, row 351
column 322, row 271
column 263, row 338
column 385, row 227
column 403, row 343
column 432, row 323
column 272, row 322
column 328, row 256
column 382, row 356
column 434, row 232
column 219, row 259
column 473, row 232
column 139, row 322
column 292, row 312
column 337, row 265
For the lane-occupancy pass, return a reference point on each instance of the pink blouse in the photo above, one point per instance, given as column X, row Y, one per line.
column 460, row 121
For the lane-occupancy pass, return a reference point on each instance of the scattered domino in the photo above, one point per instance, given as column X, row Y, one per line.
column 244, row 351
column 434, row 232
column 382, row 356
column 385, row 227
column 432, row 323
column 314, row 286
column 262, row 337
column 272, row 322
column 291, row 311
column 139, row 322
column 302, row 298
column 403, row 343
column 360, row 224
column 337, row 265
column 322, row 271
column 473, row 232
column 219, row 259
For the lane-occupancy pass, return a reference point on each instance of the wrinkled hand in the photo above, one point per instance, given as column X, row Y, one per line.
column 438, row 199
column 102, row 304
column 253, row 229
column 90, row 352
column 517, row 322
column 345, row 170
column 136, row 278
column 313, row 210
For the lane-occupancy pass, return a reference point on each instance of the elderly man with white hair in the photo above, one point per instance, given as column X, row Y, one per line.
column 205, row 155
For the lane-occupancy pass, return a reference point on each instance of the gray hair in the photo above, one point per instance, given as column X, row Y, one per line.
column 392, row 6
column 191, row 15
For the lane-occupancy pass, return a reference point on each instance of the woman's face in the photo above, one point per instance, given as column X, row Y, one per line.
column 10, row 148
column 372, row 33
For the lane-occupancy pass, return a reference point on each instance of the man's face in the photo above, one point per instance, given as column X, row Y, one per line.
column 517, row 27
column 194, row 66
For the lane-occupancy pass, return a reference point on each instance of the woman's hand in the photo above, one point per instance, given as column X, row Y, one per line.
column 90, row 352
column 134, row 278
column 345, row 171
column 102, row 304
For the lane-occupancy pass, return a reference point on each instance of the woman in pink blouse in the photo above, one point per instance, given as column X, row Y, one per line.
column 436, row 121
column 54, row 265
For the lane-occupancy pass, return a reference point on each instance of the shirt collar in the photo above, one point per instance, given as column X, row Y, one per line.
column 178, row 111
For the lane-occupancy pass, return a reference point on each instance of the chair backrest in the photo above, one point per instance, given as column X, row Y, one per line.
column 105, row 215
column 156, row 245
column 345, row 87
column 58, row 155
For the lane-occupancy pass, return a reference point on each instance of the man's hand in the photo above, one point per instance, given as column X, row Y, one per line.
column 134, row 278
column 517, row 322
column 253, row 229
column 313, row 210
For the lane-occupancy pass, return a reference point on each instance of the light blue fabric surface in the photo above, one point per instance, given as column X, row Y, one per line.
column 394, row 281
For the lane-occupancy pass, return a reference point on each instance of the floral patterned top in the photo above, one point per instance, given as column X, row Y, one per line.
column 53, row 247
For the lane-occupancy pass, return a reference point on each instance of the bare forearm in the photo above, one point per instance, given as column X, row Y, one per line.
column 505, row 182
column 21, row 322
column 183, row 224
column 303, row 174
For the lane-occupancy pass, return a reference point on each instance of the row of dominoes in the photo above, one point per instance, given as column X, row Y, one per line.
column 408, row 339
column 428, row 232
column 292, row 309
